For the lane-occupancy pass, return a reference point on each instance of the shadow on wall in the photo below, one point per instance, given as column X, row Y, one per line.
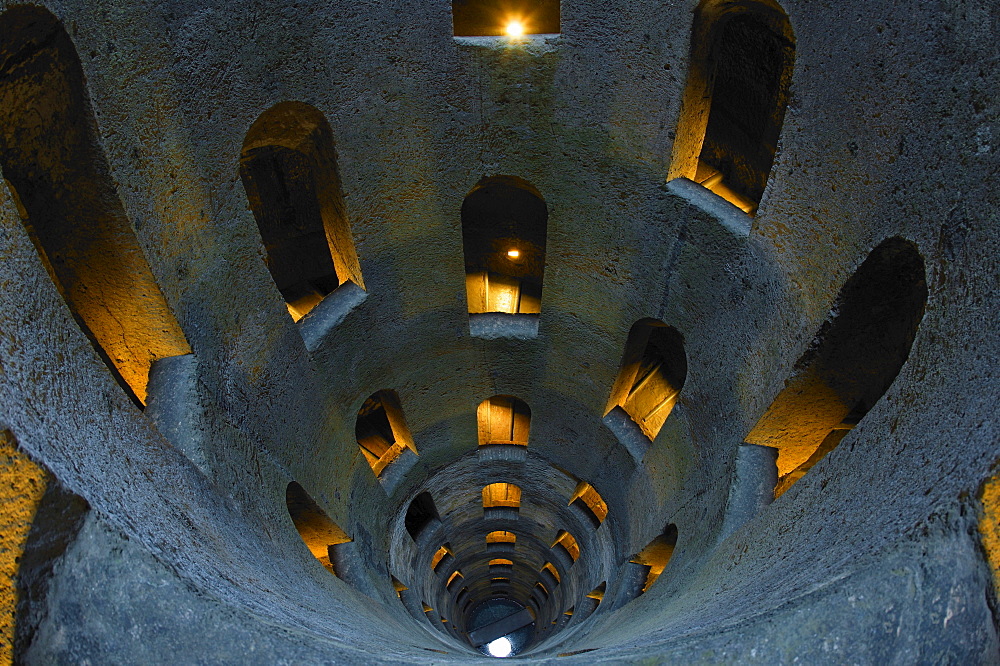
column 57, row 172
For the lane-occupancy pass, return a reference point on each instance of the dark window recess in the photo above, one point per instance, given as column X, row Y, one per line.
column 419, row 514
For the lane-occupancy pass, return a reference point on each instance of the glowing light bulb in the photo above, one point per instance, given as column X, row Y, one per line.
column 501, row 647
column 513, row 254
column 515, row 29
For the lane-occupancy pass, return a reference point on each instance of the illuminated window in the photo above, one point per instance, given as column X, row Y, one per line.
column 597, row 594
column 504, row 223
column 512, row 18
column 549, row 567
column 501, row 562
column 398, row 587
column 656, row 555
column 500, row 536
column 501, row 495
column 61, row 184
column 455, row 576
column 653, row 370
column 852, row 361
column 320, row 534
column 419, row 514
column 740, row 67
column 503, row 419
column 439, row 556
column 541, row 588
column 591, row 502
column 568, row 543
column 381, row 430
column 569, row 613
column 289, row 171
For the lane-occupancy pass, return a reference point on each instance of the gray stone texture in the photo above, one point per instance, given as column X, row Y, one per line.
column 188, row 554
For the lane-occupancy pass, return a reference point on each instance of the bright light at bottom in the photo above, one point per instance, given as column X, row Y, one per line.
column 501, row 647
column 515, row 29
column 513, row 254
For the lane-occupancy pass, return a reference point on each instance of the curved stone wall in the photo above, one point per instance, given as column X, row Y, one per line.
column 189, row 552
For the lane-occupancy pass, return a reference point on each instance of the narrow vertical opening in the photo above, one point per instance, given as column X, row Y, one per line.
column 503, row 419
column 587, row 499
column 381, row 430
column 851, row 362
column 419, row 514
column 567, row 542
column 652, row 374
column 501, row 494
column 504, row 221
column 320, row 534
column 742, row 54
column 656, row 555
column 289, row 171
column 51, row 156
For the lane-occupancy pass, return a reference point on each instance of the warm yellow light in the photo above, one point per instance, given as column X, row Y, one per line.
column 515, row 29
column 513, row 254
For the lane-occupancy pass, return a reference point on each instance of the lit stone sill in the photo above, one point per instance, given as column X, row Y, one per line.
column 541, row 43
column 729, row 216
column 497, row 325
column 330, row 312
column 628, row 433
column 396, row 471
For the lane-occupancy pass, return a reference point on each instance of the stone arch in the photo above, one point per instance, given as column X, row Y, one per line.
column 381, row 430
column 504, row 226
column 288, row 166
column 739, row 74
column 51, row 157
column 419, row 514
column 851, row 362
column 318, row 531
column 651, row 376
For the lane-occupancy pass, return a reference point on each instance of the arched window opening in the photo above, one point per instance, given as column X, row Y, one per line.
column 551, row 569
column 656, row 555
column 440, row 555
column 588, row 500
column 51, row 156
column 501, row 562
column 568, row 543
column 381, row 430
column 455, row 576
column 543, row 590
column 419, row 514
column 320, row 534
column 740, row 70
column 504, row 222
column 500, row 540
column 569, row 613
column 514, row 18
column 503, row 419
column 501, row 495
column 652, row 374
column 852, row 361
column 398, row 587
column 597, row 594
column 289, row 171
